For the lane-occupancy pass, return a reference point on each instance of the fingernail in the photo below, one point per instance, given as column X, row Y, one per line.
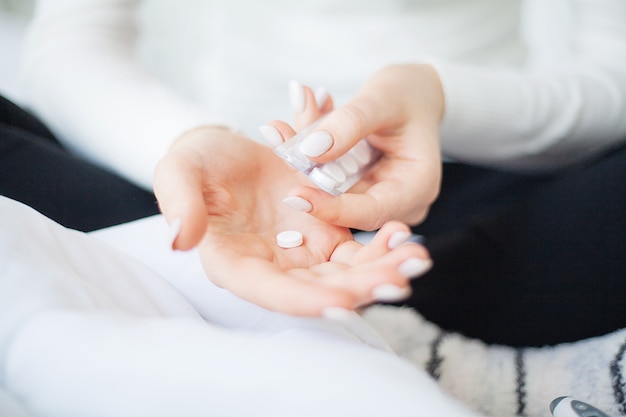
column 397, row 238
column 271, row 135
column 390, row 293
column 174, row 230
column 339, row 314
column 296, row 96
column 316, row 143
column 414, row 267
column 298, row 203
column 321, row 96
column 357, row 325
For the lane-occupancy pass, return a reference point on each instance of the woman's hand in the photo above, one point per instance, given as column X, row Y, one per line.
column 226, row 192
column 399, row 111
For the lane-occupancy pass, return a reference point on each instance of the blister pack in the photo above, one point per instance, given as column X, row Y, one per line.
column 334, row 177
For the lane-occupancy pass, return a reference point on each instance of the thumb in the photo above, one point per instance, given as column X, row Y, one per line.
column 353, row 210
column 178, row 188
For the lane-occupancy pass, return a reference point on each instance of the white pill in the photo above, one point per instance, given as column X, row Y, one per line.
column 362, row 153
column 322, row 179
column 348, row 163
column 334, row 171
column 289, row 239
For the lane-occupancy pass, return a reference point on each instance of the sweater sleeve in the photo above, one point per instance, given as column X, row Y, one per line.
column 553, row 112
column 80, row 74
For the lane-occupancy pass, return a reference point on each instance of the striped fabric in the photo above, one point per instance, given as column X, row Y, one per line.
column 505, row 381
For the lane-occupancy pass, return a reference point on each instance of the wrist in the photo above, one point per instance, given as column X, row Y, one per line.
column 414, row 92
column 430, row 89
column 201, row 132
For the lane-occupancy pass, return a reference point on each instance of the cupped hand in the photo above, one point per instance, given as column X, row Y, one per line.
column 226, row 192
column 399, row 111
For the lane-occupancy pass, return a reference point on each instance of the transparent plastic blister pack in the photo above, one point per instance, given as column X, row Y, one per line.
column 334, row 177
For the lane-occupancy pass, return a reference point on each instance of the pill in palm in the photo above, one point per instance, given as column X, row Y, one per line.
column 289, row 239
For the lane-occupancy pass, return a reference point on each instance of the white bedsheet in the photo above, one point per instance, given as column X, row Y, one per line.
column 87, row 330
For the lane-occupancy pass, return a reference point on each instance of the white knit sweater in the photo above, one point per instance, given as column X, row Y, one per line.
column 528, row 84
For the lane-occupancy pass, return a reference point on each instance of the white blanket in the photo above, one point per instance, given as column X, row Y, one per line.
column 87, row 329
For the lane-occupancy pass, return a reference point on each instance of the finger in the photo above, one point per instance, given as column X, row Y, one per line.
column 389, row 237
column 357, row 211
column 285, row 130
column 297, row 97
column 276, row 132
column 394, row 268
column 321, row 97
column 340, row 131
column 304, row 292
column 308, row 105
column 343, row 253
column 264, row 283
column 324, row 101
column 272, row 136
column 178, row 188
column 310, row 112
column 405, row 194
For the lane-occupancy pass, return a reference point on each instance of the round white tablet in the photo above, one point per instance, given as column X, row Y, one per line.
column 289, row 239
column 348, row 163
column 322, row 179
column 362, row 153
column 334, row 171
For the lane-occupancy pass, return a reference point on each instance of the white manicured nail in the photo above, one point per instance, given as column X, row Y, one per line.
column 390, row 293
column 174, row 230
column 298, row 203
column 397, row 238
column 316, row 143
column 351, row 321
column 339, row 314
column 321, row 95
column 271, row 135
column 296, row 96
column 414, row 267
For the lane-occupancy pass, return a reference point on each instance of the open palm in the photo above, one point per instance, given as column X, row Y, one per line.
column 227, row 191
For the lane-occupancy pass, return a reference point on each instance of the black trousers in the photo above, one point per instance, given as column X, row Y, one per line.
column 519, row 260
column 36, row 170
column 527, row 260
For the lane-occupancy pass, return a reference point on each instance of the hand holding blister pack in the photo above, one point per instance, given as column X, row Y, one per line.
column 334, row 177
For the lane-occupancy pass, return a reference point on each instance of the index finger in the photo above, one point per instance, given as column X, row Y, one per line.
column 344, row 127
